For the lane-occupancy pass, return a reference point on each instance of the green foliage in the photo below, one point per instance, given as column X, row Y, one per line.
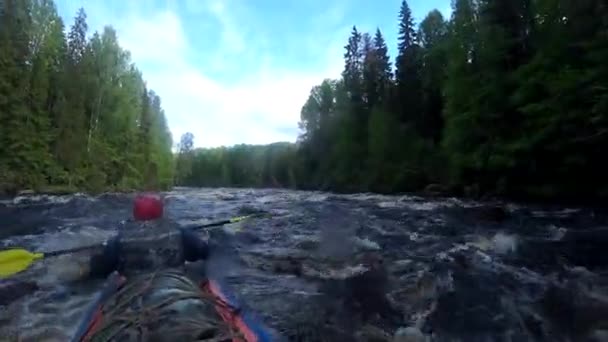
column 72, row 109
column 241, row 165
column 508, row 97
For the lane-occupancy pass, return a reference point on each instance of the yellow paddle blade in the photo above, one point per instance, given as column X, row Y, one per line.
column 236, row 224
column 237, row 219
column 16, row 260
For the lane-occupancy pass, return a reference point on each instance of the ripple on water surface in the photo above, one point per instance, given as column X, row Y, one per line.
column 454, row 267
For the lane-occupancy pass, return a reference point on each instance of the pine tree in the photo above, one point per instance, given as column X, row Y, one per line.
column 70, row 146
column 433, row 37
column 408, row 69
column 47, row 43
column 385, row 74
column 370, row 74
column 77, row 38
column 353, row 64
column 352, row 142
column 407, row 31
column 461, row 131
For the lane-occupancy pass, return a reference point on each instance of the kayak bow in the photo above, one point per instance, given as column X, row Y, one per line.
column 245, row 324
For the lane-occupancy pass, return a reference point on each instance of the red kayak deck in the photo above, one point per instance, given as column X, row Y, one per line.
column 247, row 327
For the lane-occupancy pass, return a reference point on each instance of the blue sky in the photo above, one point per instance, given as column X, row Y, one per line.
column 239, row 71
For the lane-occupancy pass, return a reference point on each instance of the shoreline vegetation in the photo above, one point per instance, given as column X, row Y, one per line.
column 504, row 99
column 75, row 112
column 507, row 99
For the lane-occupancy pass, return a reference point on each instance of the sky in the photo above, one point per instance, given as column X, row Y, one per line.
column 239, row 71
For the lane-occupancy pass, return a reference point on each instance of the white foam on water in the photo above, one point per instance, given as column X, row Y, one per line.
column 562, row 213
column 389, row 204
column 75, row 237
column 426, row 206
column 454, row 201
column 484, row 257
column 414, row 236
column 40, row 317
column 415, row 204
column 557, row 233
column 267, row 199
column 317, row 198
column 411, row 198
column 443, row 256
column 171, row 196
column 367, row 196
column 366, row 244
column 505, row 243
column 68, row 237
column 49, row 199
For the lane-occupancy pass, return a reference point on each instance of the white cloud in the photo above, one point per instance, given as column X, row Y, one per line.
column 157, row 40
column 262, row 106
column 231, row 39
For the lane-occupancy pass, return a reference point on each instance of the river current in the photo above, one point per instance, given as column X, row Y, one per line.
column 444, row 269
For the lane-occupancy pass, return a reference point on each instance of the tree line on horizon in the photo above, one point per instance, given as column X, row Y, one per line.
column 74, row 109
column 506, row 97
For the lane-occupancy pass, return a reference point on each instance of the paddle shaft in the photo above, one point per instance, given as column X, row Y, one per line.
column 84, row 248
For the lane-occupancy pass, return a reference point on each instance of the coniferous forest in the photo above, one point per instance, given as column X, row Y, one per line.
column 74, row 110
column 505, row 97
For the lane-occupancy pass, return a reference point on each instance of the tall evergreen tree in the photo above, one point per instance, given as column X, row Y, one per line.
column 407, row 29
column 385, row 73
column 433, row 37
column 77, row 38
column 370, row 73
column 351, row 143
column 407, row 74
column 70, row 146
column 462, row 132
column 353, row 60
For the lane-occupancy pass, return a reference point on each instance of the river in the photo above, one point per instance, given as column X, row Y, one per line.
column 449, row 269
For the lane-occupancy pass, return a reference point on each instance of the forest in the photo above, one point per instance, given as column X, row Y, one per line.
column 75, row 112
column 505, row 98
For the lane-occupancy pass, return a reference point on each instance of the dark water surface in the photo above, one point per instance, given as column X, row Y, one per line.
column 343, row 267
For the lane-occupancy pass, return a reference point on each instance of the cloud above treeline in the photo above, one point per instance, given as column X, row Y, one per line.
column 236, row 71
